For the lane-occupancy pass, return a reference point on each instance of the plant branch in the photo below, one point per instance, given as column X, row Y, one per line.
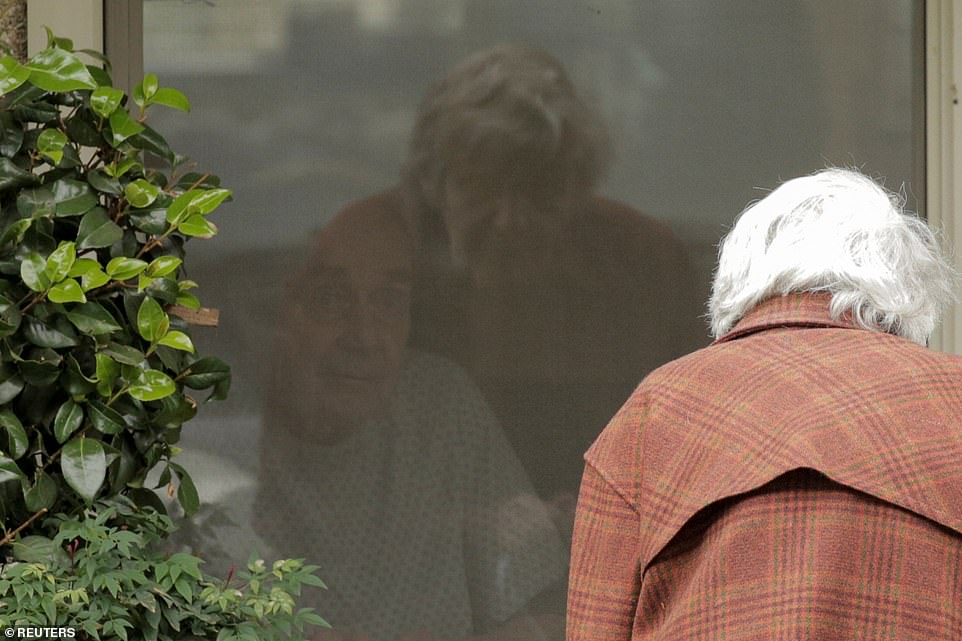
column 12, row 535
column 36, row 299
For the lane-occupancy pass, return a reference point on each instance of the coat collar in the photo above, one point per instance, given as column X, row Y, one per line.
column 808, row 309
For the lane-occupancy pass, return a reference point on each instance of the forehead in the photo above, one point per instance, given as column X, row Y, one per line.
column 368, row 247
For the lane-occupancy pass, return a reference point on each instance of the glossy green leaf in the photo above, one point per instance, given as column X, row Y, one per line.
column 197, row 226
column 41, row 368
column 73, row 197
column 143, row 282
column 93, row 279
column 122, row 126
column 33, row 272
column 40, row 112
column 152, row 321
column 43, row 335
column 83, row 266
column 12, row 74
column 100, row 75
column 141, row 193
column 188, row 300
column 151, row 141
column 84, row 466
column 107, row 371
column 60, row 261
column 54, row 41
column 120, row 168
column 105, row 420
column 152, row 385
column 9, row 470
column 71, row 158
column 105, row 183
column 75, row 381
column 171, row 98
column 186, row 490
column 124, row 468
column 177, row 340
column 208, row 201
column 59, row 71
column 67, row 291
column 36, row 203
column 74, row 366
column 11, row 384
column 105, row 100
column 195, row 180
column 164, row 289
column 17, row 440
column 10, row 317
column 67, row 421
column 41, row 495
column 152, row 221
column 175, row 411
column 14, row 233
column 11, row 134
column 123, row 268
column 177, row 211
column 92, row 319
column 206, row 372
column 12, row 175
column 124, row 354
column 50, row 144
column 163, row 266
column 145, row 90
column 97, row 230
column 82, row 132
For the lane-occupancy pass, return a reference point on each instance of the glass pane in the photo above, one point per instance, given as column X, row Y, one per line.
column 462, row 232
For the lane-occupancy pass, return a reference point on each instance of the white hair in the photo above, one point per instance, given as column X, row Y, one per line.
column 510, row 111
column 835, row 231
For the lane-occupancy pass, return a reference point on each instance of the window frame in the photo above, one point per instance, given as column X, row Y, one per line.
column 943, row 144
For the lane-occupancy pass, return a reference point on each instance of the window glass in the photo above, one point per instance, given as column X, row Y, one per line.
column 462, row 232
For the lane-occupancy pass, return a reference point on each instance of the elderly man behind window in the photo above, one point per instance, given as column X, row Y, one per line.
column 800, row 477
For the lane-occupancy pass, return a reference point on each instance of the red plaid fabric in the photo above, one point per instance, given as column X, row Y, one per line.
column 798, row 479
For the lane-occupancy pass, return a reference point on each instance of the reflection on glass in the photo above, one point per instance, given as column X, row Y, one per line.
column 532, row 231
column 557, row 301
column 384, row 464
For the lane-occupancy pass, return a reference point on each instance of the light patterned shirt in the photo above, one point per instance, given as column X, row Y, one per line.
column 421, row 521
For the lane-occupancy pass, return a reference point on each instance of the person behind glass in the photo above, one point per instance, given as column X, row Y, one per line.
column 384, row 465
column 800, row 478
column 556, row 300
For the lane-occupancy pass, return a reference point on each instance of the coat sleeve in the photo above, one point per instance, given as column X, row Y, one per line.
column 604, row 580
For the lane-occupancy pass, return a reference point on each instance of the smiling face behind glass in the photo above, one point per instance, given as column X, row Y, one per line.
column 350, row 320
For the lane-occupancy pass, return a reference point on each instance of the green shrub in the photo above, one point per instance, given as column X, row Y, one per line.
column 98, row 372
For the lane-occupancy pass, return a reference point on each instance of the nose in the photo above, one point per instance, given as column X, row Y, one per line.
column 361, row 328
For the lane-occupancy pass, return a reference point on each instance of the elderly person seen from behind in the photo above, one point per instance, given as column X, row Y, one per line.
column 800, row 477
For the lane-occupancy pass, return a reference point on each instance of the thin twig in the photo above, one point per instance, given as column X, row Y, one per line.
column 12, row 535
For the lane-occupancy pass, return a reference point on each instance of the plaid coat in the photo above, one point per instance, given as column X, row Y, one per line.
column 799, row 479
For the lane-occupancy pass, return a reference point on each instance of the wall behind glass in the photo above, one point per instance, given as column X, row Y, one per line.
column 543, row 327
